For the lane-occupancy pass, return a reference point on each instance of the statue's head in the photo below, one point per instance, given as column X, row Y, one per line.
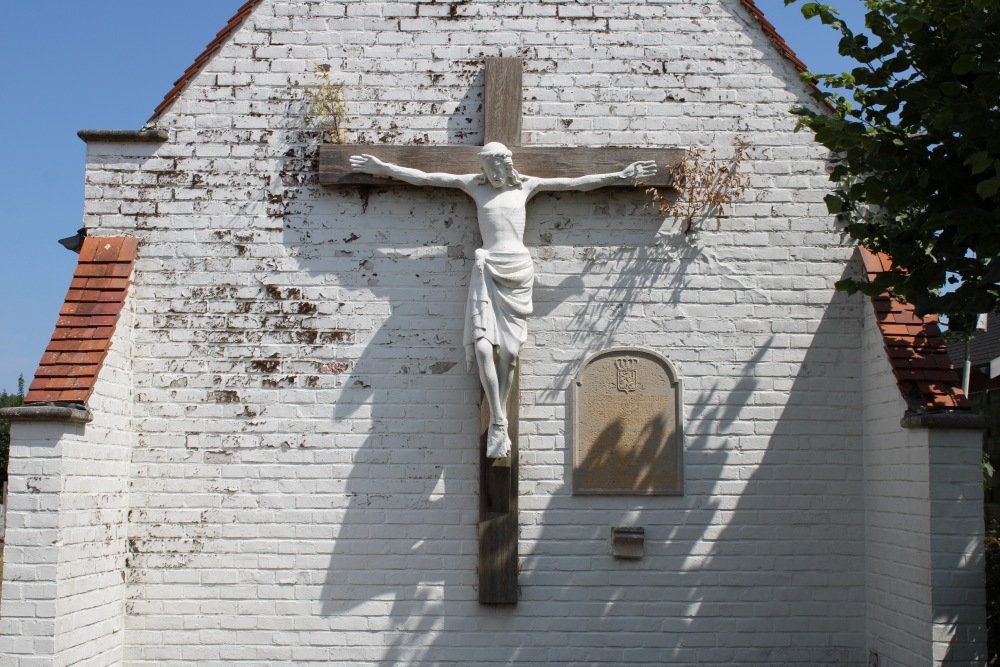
column 498, row 166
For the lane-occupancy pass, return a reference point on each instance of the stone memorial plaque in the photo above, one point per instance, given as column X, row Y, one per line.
column 627, row 425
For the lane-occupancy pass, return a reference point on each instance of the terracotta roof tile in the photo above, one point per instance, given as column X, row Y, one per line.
column 915, row 347
column 87, row 319
column 200, row 61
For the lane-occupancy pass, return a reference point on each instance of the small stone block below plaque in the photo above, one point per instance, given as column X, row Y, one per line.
column 627, row 425
column 628, row 542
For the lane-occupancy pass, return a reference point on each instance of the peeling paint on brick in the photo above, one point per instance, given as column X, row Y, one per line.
column 335, row 367
column 270, row 365
column 442, row 367
column 224, row 396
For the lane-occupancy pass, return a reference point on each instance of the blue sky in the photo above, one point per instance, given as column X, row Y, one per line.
column 106, row 64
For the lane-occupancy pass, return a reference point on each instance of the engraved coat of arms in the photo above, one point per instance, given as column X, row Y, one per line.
column 626, row 373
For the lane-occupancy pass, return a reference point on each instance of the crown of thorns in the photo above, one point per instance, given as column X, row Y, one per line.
column 495, row 149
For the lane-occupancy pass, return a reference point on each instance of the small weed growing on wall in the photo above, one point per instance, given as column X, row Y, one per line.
column 704, row 183
column 326, row 107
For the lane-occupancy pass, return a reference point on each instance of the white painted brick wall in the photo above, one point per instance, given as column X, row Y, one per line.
column 28, row 607
column 64, row 556
column 958, row 561
column 305, row 521
column 94, row 509
column 924, row 516
column 897, row 497
column 305, row 475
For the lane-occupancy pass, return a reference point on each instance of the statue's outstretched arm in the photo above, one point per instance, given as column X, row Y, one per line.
column 634, row 172
column 369, row 164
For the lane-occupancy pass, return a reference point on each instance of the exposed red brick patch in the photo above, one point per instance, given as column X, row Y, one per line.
column 200, row 61
column 80, row 343
column 916, row 348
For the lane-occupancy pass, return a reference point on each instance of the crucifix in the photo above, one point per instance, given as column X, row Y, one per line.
column 500, row 291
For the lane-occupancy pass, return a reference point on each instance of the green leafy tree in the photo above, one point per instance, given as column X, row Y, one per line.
column 915, row 131
column 8, row 401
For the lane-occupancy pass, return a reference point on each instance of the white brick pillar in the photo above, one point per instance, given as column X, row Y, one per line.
column 925, row 576
column 64, row 556
column 957, row 559
column 28, row 617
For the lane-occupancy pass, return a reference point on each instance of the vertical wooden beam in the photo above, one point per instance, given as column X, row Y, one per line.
column 503, row 100
column 498, row 510
column 498, row 484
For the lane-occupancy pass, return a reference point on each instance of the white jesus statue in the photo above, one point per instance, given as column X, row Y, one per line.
column 500, row 290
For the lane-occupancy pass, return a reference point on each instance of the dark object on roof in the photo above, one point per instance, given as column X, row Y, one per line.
column 74, row 242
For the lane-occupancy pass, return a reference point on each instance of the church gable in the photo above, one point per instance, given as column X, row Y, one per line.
column 454, row 10
column 220, row 38
column 568, row 35
column 302, row 463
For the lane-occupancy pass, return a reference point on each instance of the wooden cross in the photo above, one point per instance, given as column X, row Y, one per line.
column 498, row 562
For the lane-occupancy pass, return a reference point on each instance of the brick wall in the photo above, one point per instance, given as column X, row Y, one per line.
column 924, row 517
column 64, row 554
column 957, row 561
column 897, row 488
column 27, row 621
column 305, row 475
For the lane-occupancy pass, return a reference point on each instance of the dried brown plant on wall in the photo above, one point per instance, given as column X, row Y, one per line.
column 704, row 184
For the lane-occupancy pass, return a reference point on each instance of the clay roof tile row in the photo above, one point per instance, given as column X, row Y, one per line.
column 73, row 358
column 915, row 347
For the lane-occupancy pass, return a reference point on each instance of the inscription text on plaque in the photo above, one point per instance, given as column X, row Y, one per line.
column 627, row 425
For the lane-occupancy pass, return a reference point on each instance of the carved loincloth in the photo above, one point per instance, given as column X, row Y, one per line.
column 499, row 302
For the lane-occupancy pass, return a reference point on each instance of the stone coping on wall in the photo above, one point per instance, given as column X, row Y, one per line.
column 69, row 413
column 124, row 136
column 946, row 420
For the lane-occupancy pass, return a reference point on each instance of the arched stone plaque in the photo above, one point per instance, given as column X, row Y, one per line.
column 628, row 425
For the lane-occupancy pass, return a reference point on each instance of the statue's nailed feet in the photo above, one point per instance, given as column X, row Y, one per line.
column 497, row 442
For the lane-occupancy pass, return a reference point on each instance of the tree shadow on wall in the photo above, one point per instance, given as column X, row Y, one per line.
column 404, row 414
column 398, row 382
column 758, row 568
column 402, row 502
column 402, row 499
column 591, row 619
column 638, row 464
column 597, row 283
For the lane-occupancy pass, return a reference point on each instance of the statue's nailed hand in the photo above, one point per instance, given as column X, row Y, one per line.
column 639, row 170
column 368, row 164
